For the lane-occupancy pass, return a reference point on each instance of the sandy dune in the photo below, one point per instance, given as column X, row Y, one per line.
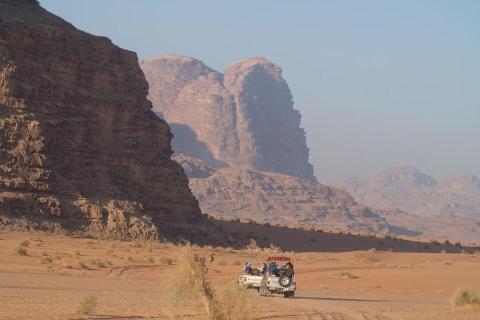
column 131, row 281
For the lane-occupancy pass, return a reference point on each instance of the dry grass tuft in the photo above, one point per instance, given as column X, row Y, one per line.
column 190, row 286
column 87, row 304
column 166, row 260
column 46, row 260
column 24, row 243
column 98, row 263
column 346, row 275
column 21, row 250
column 466, row 298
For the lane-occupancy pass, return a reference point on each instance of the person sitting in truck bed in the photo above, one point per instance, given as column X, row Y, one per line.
column 272, row 268
column 289, row 272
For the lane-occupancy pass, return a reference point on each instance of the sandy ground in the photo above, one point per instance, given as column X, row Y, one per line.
column 131, row 281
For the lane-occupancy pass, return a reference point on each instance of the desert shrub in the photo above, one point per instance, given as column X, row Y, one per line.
column 190, row 285
column 166, row 260
column 135, row 245
column 87, row 304
column 233, row 304
column 346, row 275
column 373, row 250
column 76, row 252
column 98, row 263
column 20, row 251
column 24, row 243
column 465, row 297
column 129, row 258
column 151, row 259
column 46, row 260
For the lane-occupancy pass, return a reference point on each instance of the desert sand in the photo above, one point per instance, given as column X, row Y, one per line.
column 131, row 281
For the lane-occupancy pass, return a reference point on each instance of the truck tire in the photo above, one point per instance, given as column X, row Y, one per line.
column 289, row 294
column 285, row 281
column 243, row 285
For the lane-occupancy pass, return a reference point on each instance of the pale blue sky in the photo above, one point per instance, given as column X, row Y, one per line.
column 378, row 83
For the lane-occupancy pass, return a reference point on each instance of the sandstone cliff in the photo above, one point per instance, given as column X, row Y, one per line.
column 280, row 199
column 244, row 118
column 79, row 144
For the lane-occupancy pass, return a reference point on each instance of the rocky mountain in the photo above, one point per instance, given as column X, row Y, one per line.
column 274, row 198
column 411, row 190
column 242, row 118
column 80, row 146
column 233, row 193
column 238, row 139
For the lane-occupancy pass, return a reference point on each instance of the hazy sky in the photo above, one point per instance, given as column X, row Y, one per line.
column 378, row 83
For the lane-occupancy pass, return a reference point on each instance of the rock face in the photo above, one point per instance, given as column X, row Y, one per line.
column 79, row 144
column 281, row 199
column 243, row 118
column 410, row 189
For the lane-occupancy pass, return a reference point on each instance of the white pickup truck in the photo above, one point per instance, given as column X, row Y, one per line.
column 277, row 279
column 249, row 281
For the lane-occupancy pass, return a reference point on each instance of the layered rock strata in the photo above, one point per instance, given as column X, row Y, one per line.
column 274, row 198
column 79, row 144
column 242, row 118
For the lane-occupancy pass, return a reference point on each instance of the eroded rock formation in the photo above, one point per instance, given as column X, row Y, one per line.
column 410, row 189
column 243, row 118
column 280, row 199
column 79, row 144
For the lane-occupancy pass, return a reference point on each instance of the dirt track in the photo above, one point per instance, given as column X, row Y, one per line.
column 58, row 270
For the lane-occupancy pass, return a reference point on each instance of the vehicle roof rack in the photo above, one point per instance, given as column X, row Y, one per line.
column 278, row 258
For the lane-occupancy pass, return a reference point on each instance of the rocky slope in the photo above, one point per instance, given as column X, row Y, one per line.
column 410, row 189
column 80, row 146
column 275, row 198
column 242, row 118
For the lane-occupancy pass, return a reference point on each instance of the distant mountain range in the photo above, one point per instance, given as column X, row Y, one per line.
column 409, row 189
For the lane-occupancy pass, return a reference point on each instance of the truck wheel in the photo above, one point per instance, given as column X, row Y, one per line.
column 289, row 294
column 285, row 281
column 243, row 285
